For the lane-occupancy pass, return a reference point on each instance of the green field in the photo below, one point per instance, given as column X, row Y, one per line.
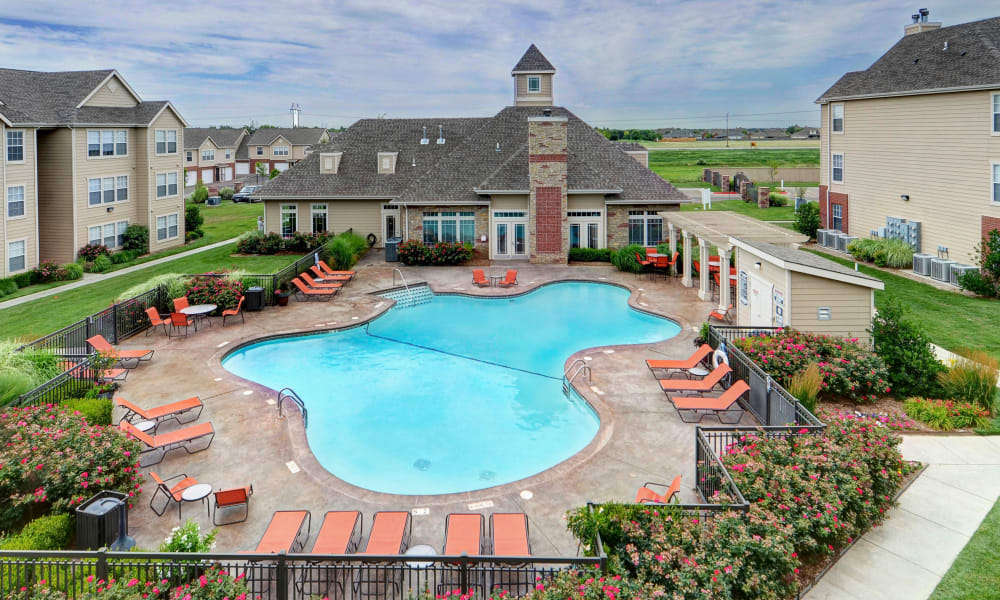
column 975, row 574
column 683, row 168
column 721, row 144
column 775, row 213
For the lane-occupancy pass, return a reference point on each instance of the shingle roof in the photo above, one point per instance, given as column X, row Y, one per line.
column 806, row 259
column 919, row 62
column 533, row 61
column 298, row 136
column 469, row 160
column 224, row 137
column 631, row 147
column 50, row 98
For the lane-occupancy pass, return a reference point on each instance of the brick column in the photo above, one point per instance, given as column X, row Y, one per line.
column 706, row 175
column 548, row 227
column 763, row 197
column 725, row 185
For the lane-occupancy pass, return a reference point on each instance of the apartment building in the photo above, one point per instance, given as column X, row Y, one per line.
column 210, row 154
column 277, row 148
column 84, row 157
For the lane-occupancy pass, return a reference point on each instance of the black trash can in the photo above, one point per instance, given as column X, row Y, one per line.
column 392, row 249
column 102, row 522
column 254, row 298
column 214, row 201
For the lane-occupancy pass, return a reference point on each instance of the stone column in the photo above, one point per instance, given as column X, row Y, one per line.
column 686, row 279
column 724, row 298
column 548, row 228
column 763, row 197
column 704, row 290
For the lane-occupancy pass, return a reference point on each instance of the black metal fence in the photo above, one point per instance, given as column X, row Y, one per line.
column 291, row 576
column 73, row 382
column 281, row 279
column 713, row 481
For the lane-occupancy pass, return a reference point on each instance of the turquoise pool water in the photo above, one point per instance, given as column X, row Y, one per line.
column 454, row 395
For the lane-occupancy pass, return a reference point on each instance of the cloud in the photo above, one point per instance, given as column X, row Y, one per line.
column 639, row 63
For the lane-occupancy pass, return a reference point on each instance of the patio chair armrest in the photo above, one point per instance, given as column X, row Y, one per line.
column 181, row 476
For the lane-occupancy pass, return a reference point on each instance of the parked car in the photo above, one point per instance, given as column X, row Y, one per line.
column 244, row 194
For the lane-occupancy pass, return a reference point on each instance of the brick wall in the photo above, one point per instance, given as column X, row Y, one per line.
column 826, row 197
column 989, row 224
column 415, row 222
column 548, row 226
column 618, row 221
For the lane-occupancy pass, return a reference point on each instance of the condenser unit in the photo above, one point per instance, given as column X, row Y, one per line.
column 922, row 264
column 821, row 236
column 958, row 270
column 844, row 240
column 941, row 269
column 831, row 239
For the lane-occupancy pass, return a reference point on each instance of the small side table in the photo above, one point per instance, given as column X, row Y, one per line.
column 698, row 372
column 495, row 279
column 145, row 426
column 196, row 492
column 420, row 550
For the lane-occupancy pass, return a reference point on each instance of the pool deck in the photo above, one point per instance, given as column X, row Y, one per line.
column 641, row 437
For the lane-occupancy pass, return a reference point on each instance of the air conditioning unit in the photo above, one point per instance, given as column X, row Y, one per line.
column 922, row 264
column 831, row 239
column 821, row 236
column 959, row 270
column 941, row 269
column 844, row 240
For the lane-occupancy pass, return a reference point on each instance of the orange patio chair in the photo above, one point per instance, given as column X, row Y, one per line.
column 172, row 494
column 340, row 533
column 648, row 496
column 510, row 279
column 479, row 278
column 125, row 357
column 232, row 312
column 697, row 408
column 326, row 277
column 285, row 532
column 307, row 293
column 190, row 407
column 319, row 285
column 390, row 533
column 332, row 272
column 232, row 498
column 716, row 378
column 643, row 261
column 464, row 533
column 509, row 533
column 155, row 320
column 700, row 355
column 725, row 316
column 163, row 443
column 178, row 320
column 180, row 303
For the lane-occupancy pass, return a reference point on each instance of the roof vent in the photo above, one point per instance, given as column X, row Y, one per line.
column 547, row 112
column 424, row 141
column 440, row 139
column 924, row 13
column 413, row 162
column 915, row 17
column 498, row 146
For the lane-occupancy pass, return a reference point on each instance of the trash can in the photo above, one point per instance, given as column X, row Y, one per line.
column 392, row 249
column 214, row 201
column 254, row 298
column 102, row 522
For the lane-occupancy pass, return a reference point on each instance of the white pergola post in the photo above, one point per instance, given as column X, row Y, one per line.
column 672, row 238
column 704, row 291
column 686, row 240
column 724, row 299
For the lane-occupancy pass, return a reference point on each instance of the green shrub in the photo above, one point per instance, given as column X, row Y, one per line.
column 414, row 252
column 226, row 194
column 221, row 291
column 892, row 253
column 806, row 386
column 47, row 271
column 50, row 532
column 624, row 259
column 200, row 193
column 973, row 378
column 13, row 384
column 25, row 279
column 188, row 538
column 136, row 238
column 7, row 287
column 274, row 173
column 176, row 284
column 906, row 351
column 73, row 270
column 946, row 415
column 21, row 372
column 193, row 219
column 807, row 219
column 590, row 254
column 978, row 284
column 777, row 199
column 125, row 256
column 90, row 252
column 985, row 282
column 97, row 411
column 102, row 264
column 345, row 250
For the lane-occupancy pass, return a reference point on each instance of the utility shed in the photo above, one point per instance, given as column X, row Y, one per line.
column 780, row 286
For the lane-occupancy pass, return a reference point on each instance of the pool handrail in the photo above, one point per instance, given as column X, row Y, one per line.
column 289, row 394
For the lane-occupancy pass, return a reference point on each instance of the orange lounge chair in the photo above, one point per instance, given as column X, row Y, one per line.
column 231, row 499
column 509, row 532
column 173, row 494
column 707, row 384
column 166, row 442
column 340, row 533
column 333, row 272
column 306, row 293
column 510, row 280
column 390, row 534
column 720, row 406
column 692, row 361
column 648, row 496
column 320, row 274
column 232, row 312
column 123, row 356
column 318, row 284
column 285, row 532
column 159, row 414
column 479, row 278
column 155, row 320
column 725, row 316
column 464, row 533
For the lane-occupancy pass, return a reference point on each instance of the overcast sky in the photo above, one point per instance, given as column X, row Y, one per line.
column 620, row 64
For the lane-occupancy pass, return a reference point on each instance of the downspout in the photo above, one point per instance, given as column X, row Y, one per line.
column 73, row 185
column 3, row 157
column 38, row 240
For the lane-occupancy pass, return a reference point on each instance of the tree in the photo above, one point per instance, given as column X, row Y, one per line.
column 200, row 193
column 274, row 173
column 807, row 219
column 792, row 129
column 772, row 170
column 906, row 352
column 193, row 220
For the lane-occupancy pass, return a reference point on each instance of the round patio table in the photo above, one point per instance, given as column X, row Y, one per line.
column 194, row 493
column 199, row 312
column 420, row 550
column 495, row 279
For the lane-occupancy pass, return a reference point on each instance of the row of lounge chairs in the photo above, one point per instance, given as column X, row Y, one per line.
column 691, row 397
column 327, row 284
column 194, row 438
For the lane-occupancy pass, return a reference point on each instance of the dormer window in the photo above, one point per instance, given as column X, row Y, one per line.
column 329, row 162
column 387, row 163
column 534, row 83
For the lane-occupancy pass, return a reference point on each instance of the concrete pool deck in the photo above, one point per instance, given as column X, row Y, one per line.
column 641, row 437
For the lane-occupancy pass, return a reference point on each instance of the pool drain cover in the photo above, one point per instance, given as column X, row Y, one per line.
column 422, row 464
column 487, row 475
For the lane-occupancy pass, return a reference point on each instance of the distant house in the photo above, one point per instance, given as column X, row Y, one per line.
column 807, row 133
column 916, row 136
column 277, row 148
column 210, row 153
column 679, row 134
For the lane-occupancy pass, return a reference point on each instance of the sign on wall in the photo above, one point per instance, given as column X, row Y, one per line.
column 744, row 288
column 779, row 308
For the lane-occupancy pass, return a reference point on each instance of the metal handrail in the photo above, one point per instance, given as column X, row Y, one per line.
column 587, row 371
column 289, row 394
column 403, row 279
column 573, row 364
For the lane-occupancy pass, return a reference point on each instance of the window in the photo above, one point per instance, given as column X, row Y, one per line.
column 836, row 217
column 107, row 190
column 510, row 214
column 190, row 155
column 996, row 183
column 93, row 192
column 15, row 201
column 319, row 216
column 121, row 188
column 121, row 226
column 996, row 114
column 109, row 142
column 166, row 184
column 166, row 141
column 837, row 168
column 260, row 150
column 94, row 235
column 15, row 256
column 534, row 84
column 166, row 227
column 449, row 226
column 281, row 150
column 645, row 227
column 15, row 146
column 208, row 155
column 229, row 153
column 111, row 235
column 584, row 228
column 837, row 118
column 289, row 219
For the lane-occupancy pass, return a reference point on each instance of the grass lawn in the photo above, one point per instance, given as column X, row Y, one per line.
column 45, row 315
column 951, row 320
column 683, row 168
column 975, row 574
column 733, row 144
column 775, row 213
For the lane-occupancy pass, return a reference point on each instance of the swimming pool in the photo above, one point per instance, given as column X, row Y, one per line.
column 454, row 395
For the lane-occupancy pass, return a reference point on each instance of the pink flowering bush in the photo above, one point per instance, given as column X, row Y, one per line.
column 848, row 368
column 51, row 460
column 891, row 421
column 588, row 584
column 214, row 584
column 221, row 291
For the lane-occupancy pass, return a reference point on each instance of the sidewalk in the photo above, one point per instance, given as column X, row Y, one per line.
column 89, row 278
column 907, row 556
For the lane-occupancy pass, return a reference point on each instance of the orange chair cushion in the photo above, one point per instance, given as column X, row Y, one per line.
column 464, row 535
column 510, row 534
column 387, row 533
column 335, row 535
column 281, row 531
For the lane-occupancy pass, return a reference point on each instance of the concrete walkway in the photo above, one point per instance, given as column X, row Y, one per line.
column 907, row 556
column 89, row 278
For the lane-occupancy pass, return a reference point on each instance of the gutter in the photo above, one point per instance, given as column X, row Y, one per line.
column 946, row 90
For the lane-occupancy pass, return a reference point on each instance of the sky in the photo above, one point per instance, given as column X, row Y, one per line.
column 619, row 64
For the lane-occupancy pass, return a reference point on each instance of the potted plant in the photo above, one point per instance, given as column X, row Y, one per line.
column 282, row 296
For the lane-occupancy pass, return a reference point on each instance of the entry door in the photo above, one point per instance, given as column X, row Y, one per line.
column 761, row 302
column 227, row 174
column 207, row 175
column 390, row 222
column 191, row 179
column 510, row 239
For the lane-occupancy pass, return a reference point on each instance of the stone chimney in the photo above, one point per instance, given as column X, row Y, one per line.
column 548, row 226
column 920, row 23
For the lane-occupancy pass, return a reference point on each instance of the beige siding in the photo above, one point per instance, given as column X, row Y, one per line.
column 509, row 202
column 55, row 195
column 768, row 272
column 585, row 202
column 525, row 98
column 17, row 174
column 935, row 148
column 363, row 216
column 119, row 97
column 850, row 306
column 148, row 202
column 87, row 168
column 269, row 151
column 299, row 152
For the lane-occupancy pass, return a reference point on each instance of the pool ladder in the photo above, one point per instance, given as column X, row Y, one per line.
column 581, row 367
column 289, row 394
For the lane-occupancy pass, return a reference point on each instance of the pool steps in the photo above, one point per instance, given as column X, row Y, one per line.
column 410, row 296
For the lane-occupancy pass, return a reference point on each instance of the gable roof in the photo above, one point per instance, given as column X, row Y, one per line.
column 297, row 136
column 801, row 261
column 631, row 147
column 919, row 64
column 52, row 98
column 533, row 61
column 223, row 137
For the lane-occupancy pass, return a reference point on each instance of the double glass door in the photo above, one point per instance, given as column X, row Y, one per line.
column 583, row 235
column 510, row 239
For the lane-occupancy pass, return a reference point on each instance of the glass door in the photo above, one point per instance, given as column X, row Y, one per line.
column 574, row 235
column 501, row 238
column 520, row 247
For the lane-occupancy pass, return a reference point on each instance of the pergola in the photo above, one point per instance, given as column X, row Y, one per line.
column 714, row 228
